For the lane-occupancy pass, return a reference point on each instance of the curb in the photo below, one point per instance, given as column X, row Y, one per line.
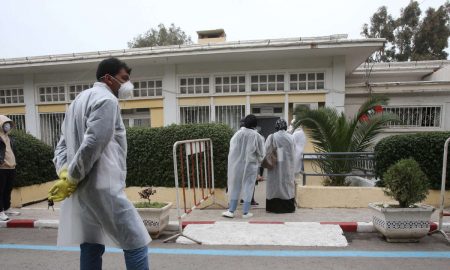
column 359, row 227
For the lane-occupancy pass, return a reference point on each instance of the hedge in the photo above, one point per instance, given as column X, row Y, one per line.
column 150, row 161
column 34, row 160
column 426, row 148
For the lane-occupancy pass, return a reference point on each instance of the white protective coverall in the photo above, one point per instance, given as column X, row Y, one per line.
column 93, row 146
column 300, row 142
column 280, row 180
column 245, row 156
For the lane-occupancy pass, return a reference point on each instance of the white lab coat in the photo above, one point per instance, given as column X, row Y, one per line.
column 244, row 158
column 280, row 180
column 94, row 148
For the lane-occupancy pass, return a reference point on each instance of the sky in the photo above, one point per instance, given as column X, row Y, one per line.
column 43, row 27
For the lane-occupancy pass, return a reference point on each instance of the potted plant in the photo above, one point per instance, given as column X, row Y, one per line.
column 405, row 221
column 155, row 215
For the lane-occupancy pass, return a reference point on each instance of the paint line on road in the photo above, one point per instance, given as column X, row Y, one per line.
column 256, row 253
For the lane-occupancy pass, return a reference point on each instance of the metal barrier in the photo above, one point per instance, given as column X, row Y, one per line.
column 361, row 163
column 193, row 162
column 441, row 207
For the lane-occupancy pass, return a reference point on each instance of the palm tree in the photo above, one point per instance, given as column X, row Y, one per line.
column 331, row 131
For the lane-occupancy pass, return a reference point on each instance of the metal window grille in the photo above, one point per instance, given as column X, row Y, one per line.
column 307, row 81
column 194, row 114
column 12, row 96
column 230, row 115
column 416, row 116
column 229, row 84
column 75, row 89
column 51, row 127
column 267, row 82
column 148, row 88
column 136, row 117
column 55, row 93
column 195, row 85
column 19, row 121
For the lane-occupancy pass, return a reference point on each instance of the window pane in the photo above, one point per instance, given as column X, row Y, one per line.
column 144, row 92
column 302, row 77
column 293, row 77
column 190, row 81
column 280, row 86
column 198, row 81
column 21, row 99
column 311, row 85
column 234, row 79
column 241, row 79
column 234, row 88
column 320, row 76
column 271, row 78
column 302, row 86
column 218, row 80
column 218, row 89
column 263, row 87
column 311, row 76
column 293, row 86
column 136, row 93
column 280, row 78
column 183, row 82
column 263, row 78
column 271, row 87
column 151, row 92
column 241, row 88
column 206, row 89
column 254, row 79
column 151, row 84
column 205, row 80
column 190, row 90
column 158, row 83
column 226, row 88
column 254, row 87
column 226, row 80
column 183, row 90
column 320, row 85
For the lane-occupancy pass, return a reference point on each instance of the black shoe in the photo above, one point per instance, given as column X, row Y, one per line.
column 254, row 203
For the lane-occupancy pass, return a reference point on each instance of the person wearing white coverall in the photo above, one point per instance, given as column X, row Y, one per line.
column 244, row 158
column 280, row 185
column 300, row 142
column 90, row 160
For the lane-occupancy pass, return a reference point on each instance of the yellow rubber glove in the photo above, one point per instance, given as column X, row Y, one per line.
column 62, row 189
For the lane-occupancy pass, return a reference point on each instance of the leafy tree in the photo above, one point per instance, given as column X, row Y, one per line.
column 432, row 37
column 409, row 37
column 162, row 36
column 331, row 131
column 382, row 25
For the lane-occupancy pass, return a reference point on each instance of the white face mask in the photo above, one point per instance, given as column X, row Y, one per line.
column 126, row 90
column 7, row 127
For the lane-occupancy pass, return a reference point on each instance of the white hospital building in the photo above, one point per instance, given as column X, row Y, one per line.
column 219, row 81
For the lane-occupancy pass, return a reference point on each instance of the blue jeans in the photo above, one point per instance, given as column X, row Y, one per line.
column 91, row 257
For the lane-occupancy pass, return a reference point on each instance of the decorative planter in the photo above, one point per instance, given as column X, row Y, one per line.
column 402, row 224
column 155, row 219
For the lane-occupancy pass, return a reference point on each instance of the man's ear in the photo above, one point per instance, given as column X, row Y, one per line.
column 107, row 79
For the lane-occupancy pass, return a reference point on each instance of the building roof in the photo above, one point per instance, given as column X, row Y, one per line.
column 413, row 68
column 355, row 51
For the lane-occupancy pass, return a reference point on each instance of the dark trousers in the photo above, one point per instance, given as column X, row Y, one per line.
column 7, row 178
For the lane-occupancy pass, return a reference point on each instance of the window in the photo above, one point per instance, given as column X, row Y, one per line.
column 267, row 82
column 75, row 89
column 196, row 85
column 136, row 117
column 52, row 94
column 416, row 116
column 230, row 115
column 51, row 127
column 11, row 96
column 150, row 88
column 230, row 84
column 307, row 81
column 194, row 115
column 19, row 121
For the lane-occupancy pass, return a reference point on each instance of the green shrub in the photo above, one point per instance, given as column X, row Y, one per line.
column 150, row 161
column 34, row 160
column 406, row 182
column 426, row 148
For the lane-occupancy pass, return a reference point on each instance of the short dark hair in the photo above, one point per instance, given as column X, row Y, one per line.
column 250, row 121
column 111, row 66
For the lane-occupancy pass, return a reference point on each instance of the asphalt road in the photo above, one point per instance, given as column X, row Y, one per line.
column 35, row 249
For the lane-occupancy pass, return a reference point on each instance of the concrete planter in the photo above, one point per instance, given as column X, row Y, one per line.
column 155, row 219
column 402, row 224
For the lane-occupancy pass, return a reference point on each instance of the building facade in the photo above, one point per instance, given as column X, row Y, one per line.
column 221, row 81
